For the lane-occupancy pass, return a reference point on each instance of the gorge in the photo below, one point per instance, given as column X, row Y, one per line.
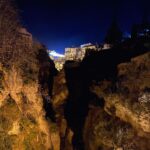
column 99, row 103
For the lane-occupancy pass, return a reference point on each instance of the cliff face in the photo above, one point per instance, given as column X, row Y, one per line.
column 23, row 123
column 124, row 122
column 59, row 100
column 73, row 110
column 108, row 114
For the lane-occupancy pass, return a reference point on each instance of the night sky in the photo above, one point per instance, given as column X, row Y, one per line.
column 66, row 23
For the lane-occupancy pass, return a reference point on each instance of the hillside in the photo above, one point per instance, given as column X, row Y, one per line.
column 23, row 121
column 110, row 111
column 101, row 103
column 123, row 122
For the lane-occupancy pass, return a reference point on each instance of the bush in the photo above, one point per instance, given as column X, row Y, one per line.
column 5, row 141
column 1, row 79
column 31, row 142
column 29, row 73
column 8, row 114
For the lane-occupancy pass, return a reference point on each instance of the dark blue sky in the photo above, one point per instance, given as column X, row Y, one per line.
column 65, row 23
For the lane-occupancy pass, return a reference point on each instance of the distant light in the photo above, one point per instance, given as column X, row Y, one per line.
column 147, row 30
column 84, row 45
column 55, row 54
column 127, row 35
column 141, row 34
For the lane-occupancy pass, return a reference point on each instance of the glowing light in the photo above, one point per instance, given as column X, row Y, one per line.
column 55, row 54
column 127, row 35
column 84, row 45
column 147, row 30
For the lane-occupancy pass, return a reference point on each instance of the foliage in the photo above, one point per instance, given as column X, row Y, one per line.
column 23, row 59
column 8, row 114
column 114, row 34
column 108, row 131
column 1, row 79
column 5, row 141
column 132, row 92
column 29, row 72
column 31, row 141
column 9, row 24
column 53, row 127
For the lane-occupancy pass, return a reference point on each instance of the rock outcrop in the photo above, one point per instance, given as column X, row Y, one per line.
column 124, row 122
column 23, row 122
column 118, row 109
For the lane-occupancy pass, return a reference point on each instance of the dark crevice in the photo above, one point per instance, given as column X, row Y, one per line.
column 47, row 72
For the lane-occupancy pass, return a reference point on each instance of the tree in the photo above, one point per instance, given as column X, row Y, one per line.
column 114, row 34
column 134, row 31
column 9, row 24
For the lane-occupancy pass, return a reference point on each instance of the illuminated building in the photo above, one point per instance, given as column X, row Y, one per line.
column 78, row 53
column 71, row 53
column 88, row 46
column 59, row 63
column 106, row 46
column 58, row 59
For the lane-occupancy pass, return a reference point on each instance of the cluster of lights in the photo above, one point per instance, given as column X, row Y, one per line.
column 55, row 54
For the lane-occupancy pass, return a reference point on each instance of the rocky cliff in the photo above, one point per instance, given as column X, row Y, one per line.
column 24, row 123
column 111, row 113
column 40, row 109
column 124, row 121
column 102, row 103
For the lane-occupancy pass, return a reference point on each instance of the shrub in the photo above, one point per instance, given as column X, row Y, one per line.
column 8, row 114
column 5, row 141
column 1, row 79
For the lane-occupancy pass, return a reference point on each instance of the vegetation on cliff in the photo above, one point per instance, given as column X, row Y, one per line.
column 23, row 122
column 128, row 103
column 102, row 103
column 108, row 107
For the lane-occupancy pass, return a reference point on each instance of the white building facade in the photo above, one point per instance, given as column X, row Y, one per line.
column 78, row 53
